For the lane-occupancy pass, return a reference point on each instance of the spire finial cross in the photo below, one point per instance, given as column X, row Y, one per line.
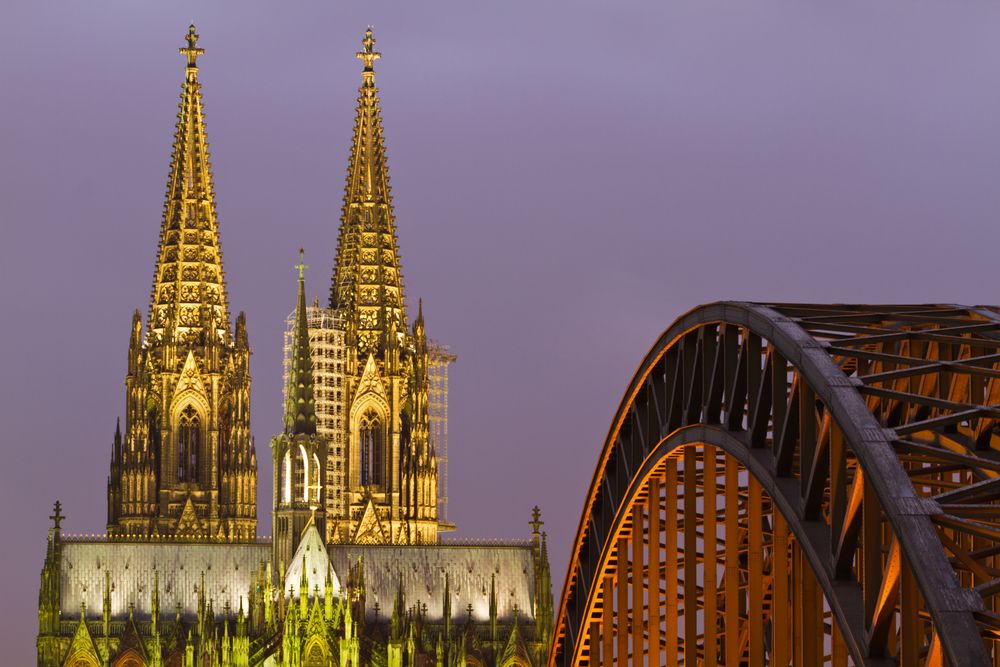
column 302, row 266
column 369, row 55
column 57, row 515
column 536, row 519
column 192, row 50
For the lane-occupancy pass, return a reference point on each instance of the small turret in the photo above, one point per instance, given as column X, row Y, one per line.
column 49, row 595
column 398, row 612
column 270, row 622
column 135, row 343
column 493, row 609
column 241, row 339
column 446, row 606
column 107, row 604
column 201, row 606
column 328, row 598
column 411, row 646
column 155, row 603
column 304, row 590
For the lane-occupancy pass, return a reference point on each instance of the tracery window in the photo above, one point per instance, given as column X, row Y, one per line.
column 371, row 444
column 188, row 442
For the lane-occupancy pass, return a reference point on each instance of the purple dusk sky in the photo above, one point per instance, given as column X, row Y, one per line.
column 569, row 177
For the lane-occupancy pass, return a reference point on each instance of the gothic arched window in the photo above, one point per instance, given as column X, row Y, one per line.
column 371, row 443
column 188, row 442
column 314, row 485
column 285, row 478
column 300, row 475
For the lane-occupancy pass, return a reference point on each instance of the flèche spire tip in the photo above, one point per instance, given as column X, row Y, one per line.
column 302, row 266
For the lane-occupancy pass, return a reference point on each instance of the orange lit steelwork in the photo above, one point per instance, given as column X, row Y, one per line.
column 797, row 485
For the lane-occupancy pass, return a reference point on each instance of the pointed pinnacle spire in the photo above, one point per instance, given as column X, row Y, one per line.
column 156, row 593
column 446, row 605
column 300, row 406
column 367, row 283
column 188, row 300
column 192, row 50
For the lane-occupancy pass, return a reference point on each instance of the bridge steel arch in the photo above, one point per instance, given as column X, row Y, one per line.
column 797, row 484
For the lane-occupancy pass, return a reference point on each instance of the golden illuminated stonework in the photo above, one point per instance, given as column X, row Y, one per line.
column 185, row 464
column 355, row 573
column 374, row 400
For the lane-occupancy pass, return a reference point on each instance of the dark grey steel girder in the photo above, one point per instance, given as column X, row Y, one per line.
column 915, row 392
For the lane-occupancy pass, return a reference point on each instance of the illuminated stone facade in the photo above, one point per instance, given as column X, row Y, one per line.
column 185, row 464
column 386, row 489
column 355, row 574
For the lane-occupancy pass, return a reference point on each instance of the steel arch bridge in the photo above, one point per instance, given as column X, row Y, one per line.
column 797, row 484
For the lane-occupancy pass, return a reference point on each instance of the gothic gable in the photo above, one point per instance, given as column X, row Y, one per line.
column 189, row 524
column 371, row 380
column 82, row 652
column 131, row 651
column 370, row 530
column 189, row 387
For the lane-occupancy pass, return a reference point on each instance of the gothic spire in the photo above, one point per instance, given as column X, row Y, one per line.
column 367, row 282
column 188, row 301
column 300, row 407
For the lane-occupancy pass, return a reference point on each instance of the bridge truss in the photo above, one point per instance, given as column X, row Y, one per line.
column 797, row 485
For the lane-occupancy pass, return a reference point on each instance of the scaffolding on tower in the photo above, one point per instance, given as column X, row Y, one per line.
column 439, row 358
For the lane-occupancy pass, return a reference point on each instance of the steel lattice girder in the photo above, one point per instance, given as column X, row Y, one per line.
column 913, row 393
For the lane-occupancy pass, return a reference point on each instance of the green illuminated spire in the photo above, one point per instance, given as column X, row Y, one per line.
column 300, row 407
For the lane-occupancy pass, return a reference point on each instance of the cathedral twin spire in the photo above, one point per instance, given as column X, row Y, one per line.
column 188, row 301
column 186, row 464
column 367, row 282
column 187, row 446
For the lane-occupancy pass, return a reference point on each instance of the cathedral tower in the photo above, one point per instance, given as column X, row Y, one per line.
column 358, row 464
column 299, row 453
column 185, row 464
column 381, row 386
column 391, row 482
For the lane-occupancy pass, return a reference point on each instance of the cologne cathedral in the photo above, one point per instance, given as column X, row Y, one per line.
column 356, row 573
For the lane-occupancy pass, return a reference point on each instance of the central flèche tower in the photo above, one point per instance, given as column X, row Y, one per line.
column 379, row 394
